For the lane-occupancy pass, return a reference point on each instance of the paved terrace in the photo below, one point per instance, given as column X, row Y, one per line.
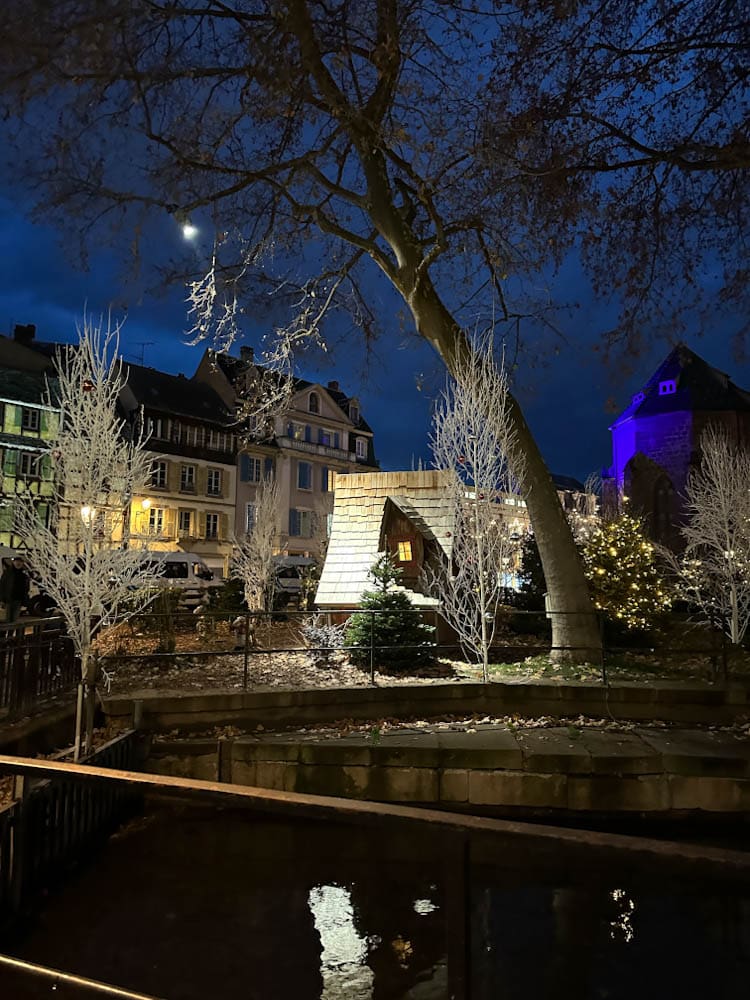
column 648, row 769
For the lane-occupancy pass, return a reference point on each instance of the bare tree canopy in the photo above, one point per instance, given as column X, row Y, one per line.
column 443, row 142
column 631, row 121
column 358, row 132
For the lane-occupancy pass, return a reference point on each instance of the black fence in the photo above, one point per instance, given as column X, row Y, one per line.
column 52, row 825
column 519, row 635
column 37, row 665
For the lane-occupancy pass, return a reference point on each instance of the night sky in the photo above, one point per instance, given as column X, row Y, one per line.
column 569, row 397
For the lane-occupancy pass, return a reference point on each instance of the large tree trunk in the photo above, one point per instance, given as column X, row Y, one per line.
column 575, row 627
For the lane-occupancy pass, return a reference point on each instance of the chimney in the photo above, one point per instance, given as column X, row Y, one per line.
column 247, row 354
column 333, row 384
column 24, row 333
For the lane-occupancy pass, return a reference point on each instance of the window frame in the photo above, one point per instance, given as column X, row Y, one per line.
column 157, row 467
column 31, row 419
column 302, row 465
column 212, row 518
column 188, row 487
column 183, row 532
column 214, row 490
column 156, row 520
column 360, row 447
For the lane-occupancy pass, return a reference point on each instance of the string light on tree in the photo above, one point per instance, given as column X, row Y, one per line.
column 626, row 582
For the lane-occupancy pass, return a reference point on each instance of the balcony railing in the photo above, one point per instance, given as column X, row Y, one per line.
column 315, row 449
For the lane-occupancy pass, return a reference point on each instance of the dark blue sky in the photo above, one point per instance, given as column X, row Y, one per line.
column 569, row 395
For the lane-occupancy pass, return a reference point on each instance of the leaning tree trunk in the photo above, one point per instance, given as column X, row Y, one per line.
column 575, row 627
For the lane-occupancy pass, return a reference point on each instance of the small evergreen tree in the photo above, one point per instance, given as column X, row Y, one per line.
column 626, row 582
column 530, row 596
column 395, row 625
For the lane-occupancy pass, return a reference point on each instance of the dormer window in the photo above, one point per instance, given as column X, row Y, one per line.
column 313, row 403
column 354, row 411
column 638, row 398
column 668, row 387
column 361, row 448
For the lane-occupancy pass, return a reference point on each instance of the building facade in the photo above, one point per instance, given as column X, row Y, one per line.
column 656, row 439
column 27, row 423
column 321, row 434
column 190, row 502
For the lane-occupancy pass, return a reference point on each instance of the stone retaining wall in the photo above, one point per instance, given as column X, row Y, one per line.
column 278, row 708
column 648, row 770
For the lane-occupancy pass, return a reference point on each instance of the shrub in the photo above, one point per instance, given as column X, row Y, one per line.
column 326, row 639
column 395, row 626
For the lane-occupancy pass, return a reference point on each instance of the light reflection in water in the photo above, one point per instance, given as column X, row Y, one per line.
column 622, row 925
column 344, row 951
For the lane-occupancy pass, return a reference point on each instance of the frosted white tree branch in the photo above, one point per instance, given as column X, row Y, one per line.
column 252, row 557
column 82, row 557
column 473, row 440
column 713, row 571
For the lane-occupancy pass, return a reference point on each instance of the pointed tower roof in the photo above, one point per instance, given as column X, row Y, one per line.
column 684, row 381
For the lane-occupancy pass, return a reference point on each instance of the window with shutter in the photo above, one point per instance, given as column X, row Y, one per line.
column 268, row 468
column 324, row 478
column 308, row 433
column 294, row 524
column 304, row 476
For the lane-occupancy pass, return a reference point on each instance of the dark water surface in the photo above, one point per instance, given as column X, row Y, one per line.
column 195, row 904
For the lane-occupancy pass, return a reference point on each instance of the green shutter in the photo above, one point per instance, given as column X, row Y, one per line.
column 14, row 424
column 11, row 461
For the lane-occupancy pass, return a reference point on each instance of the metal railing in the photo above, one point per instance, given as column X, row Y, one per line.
column 37, row 665
column 51, row 824
column 519, row 635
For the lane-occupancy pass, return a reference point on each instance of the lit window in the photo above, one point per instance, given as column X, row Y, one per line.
column 404, row 552
column 29, row 419
column 156, row 520
column 213, row 488
column 212, row 525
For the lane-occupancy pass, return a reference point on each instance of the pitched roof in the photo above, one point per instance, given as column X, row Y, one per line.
column 26, row 386
column 176, row 394
column 234, row 368
column 359, row 504
column 698, row 386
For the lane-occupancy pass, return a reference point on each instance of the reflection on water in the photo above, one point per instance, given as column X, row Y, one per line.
column 344, row 955
column 216, row 905
column 621, row 924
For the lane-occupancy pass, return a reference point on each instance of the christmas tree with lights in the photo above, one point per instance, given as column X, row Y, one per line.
column 625, row 580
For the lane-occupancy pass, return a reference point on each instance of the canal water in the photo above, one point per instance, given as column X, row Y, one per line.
column 196, row 904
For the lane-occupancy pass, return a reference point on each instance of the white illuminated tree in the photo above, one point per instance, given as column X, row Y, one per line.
column 252, row 559
column 82, row 557
column 473, row 440
column 713, row 571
